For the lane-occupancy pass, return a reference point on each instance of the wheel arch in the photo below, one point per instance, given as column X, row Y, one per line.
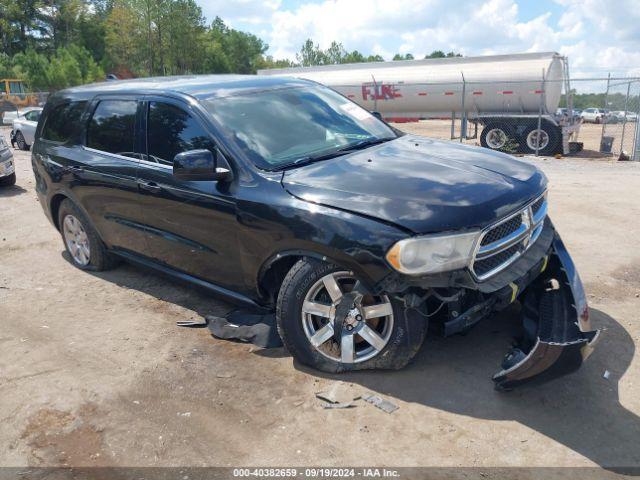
column 54, row 207
column 273, row 271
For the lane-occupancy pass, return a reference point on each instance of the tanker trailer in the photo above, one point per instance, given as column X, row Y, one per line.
column 512, row 97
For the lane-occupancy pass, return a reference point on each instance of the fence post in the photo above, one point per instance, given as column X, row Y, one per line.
column 624, row 120
column 606, row 98
column 463, row 121
column 542, row 87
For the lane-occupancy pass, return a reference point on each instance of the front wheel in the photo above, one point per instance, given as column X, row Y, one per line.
column 328, row 320
column 22, row 144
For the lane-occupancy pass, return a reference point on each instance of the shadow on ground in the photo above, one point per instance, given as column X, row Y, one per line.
column 11, row 191
column 581, row 411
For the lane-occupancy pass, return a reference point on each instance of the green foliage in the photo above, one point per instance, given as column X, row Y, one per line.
column 441, row 54
column 311, row 54
column 55, row 44
column 399, row 56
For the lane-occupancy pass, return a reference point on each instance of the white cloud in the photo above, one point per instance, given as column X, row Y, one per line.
column 598, row 36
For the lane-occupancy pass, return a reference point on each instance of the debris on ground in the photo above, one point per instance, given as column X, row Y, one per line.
column 338, row 392
column 330, row 406
column 225, row 375
column 257, row 327
column 193, row 323
column 381, row 403
column 606, row 374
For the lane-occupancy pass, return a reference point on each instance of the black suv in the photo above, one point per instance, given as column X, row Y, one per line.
column 280, row 193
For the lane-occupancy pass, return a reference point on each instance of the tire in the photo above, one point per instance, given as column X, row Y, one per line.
column 597, row 120
column 8, row 181
column 22, row 144
column 95, row 257
column 487, row 139
column 548, row 147
column 399, row 335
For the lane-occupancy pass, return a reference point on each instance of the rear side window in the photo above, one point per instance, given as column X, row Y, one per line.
column 112, row 127
column 32, row 116
column 62, row 120
column 171, row 130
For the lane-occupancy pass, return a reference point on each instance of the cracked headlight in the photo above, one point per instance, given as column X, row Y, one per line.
column 432, row 253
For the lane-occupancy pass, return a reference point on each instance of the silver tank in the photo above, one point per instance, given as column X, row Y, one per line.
column 514, row 84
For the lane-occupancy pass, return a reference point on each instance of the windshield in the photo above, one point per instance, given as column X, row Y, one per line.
column 279, row 128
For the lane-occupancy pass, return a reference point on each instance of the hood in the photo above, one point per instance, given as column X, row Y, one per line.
column 420, row 184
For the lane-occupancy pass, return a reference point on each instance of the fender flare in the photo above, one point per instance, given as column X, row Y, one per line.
column 278, row 256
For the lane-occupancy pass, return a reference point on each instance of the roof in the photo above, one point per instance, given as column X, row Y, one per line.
column 199, row 86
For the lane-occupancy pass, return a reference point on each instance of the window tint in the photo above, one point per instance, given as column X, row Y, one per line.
column 112, row 127
column 171, row 130
column 62, row 120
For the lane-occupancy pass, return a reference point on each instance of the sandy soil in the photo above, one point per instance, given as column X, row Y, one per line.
column 93, row 370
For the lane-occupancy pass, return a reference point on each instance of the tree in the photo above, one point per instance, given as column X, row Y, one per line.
column 399, row 56
column 441, row 54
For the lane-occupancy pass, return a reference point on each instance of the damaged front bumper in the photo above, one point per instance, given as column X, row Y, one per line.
column 557, row 332
column 557, row 335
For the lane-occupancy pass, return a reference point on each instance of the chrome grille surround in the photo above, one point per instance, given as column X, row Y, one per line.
column 512, row 245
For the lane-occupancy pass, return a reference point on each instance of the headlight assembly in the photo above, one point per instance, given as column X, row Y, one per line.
column 433, row 253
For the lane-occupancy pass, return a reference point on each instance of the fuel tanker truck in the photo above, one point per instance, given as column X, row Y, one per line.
column 510, row 99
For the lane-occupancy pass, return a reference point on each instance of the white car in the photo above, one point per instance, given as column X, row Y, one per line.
column 631, row 117
column 9, row 116
column 594, row 115
column 24, row 128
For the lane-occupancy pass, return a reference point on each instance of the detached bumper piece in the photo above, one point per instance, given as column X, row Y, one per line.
column 557, row 334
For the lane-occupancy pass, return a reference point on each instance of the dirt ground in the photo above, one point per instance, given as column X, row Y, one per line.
column 94, row 371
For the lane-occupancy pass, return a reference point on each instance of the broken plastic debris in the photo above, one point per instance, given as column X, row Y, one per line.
column 606, row 374
column 336, row 393
column 338, row 405
column 381, row 403
column 197, row 323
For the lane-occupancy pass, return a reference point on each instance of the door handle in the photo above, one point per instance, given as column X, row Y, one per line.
column 150, row 187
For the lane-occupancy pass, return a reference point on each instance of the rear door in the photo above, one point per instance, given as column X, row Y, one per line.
column 29, row 124
column 105, row 181
column 191, row 224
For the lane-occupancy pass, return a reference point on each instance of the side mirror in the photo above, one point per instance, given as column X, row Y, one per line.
column 201, row 165
column 378, row 115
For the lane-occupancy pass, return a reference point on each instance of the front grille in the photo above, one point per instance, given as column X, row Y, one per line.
column 502, row 243
column 537, row 205
column 502, row 230
column 482, row 267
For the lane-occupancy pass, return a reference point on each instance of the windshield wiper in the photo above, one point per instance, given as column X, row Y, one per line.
column 363, row 144
column 335, row 153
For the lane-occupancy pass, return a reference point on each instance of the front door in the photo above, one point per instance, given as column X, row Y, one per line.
column 191, row 225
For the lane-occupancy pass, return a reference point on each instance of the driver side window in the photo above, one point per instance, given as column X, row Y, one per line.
column 171, row 130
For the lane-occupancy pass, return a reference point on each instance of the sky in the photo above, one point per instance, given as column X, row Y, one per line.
column 597, row 36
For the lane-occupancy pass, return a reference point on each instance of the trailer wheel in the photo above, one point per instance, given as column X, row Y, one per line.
column 546, row 138
column 498, row 136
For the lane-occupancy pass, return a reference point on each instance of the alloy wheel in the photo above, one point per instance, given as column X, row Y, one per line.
column 76, row 240
column 366, row 324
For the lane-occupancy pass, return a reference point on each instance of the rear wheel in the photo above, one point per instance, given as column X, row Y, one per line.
column 498, row 136
column 81, row 241
column 546, row 139
column 22, row 144
column 329, row 321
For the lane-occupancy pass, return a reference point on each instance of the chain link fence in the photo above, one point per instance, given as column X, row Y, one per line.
column 590, row 117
